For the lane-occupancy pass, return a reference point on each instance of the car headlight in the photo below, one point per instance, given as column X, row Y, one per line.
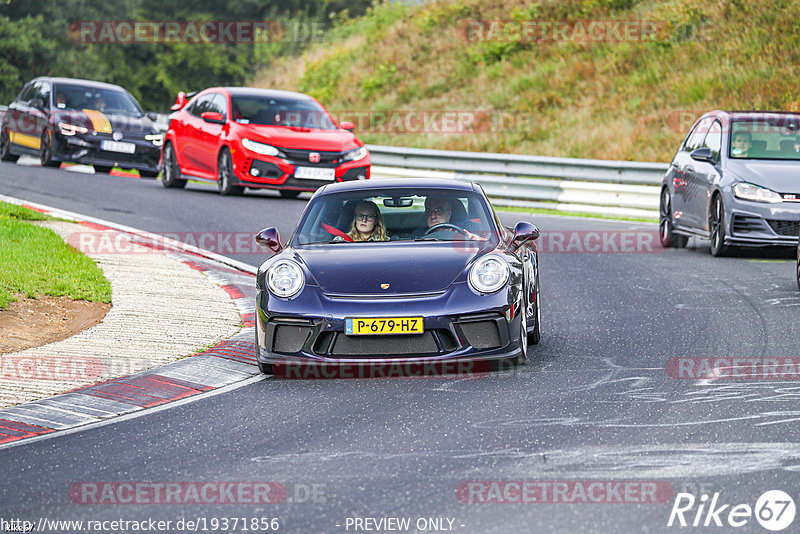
column 285, row 278
column 355, row 155
column 156, row 139
column 260, row 148
column 71, row 129
column 756, row 193
column 489, row 274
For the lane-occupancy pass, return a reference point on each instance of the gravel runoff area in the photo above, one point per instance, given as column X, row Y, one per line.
column 162, row 310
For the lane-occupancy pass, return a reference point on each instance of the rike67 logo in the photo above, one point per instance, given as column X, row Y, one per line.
column 774, row 510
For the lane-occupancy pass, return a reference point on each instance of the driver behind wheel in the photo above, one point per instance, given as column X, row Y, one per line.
column 439, row 211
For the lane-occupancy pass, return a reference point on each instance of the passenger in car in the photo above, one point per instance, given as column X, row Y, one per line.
column 367, row 224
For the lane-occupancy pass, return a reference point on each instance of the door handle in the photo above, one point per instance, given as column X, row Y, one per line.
column 689, row 168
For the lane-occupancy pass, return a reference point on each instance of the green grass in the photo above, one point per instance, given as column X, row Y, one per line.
column 544, row 211
column 35, row 261
column 605, row 100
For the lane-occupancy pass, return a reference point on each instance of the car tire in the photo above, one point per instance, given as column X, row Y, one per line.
column 225, row 176
column 798, row 266
column 523, row 336
column 170, row 170
column 148, row 174
column 102, row 169
column 5, row 148
column 716, row 226
column 289, row 193
column 265, row 368
column 46, row 150
column 666, row 226
column 536, row 334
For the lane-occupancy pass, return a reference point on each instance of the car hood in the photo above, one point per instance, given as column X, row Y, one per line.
column 361, row 269
column 780, row 176
column 302, row 138
column 96, row 120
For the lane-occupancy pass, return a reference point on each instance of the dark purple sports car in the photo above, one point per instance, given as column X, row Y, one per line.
column 398, row 271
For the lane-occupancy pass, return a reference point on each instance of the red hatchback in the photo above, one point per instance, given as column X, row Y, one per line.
column 238, row 137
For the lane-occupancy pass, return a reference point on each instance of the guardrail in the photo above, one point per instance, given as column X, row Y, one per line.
column 617, row 188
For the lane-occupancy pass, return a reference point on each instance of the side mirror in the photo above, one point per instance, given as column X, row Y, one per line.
column 152, row 115
column 524, row 231
column 214, row 117
column 703, row 154
column 349, row 126
column 270, row 238
column 180, row 101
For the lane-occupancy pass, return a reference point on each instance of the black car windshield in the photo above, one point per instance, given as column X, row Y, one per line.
column 110, row 101
column 395, row 214
column 766, row 138
column 289, row 112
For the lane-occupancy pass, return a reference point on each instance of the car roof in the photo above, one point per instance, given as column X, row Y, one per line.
column 254, row 91
column 397, row 183
column 78, row 81
column 749, row 114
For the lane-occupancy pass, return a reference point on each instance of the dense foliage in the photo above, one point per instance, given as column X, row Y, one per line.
column 35, row 41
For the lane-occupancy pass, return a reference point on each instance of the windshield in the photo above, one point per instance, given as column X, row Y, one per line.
column 396, row 215
column 768, row 138
column 110, row 101
column 289, row 112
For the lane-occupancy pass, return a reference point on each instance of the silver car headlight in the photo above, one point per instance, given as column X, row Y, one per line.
column 357, row 154
column 755, row 193
column 285, row 278
column 489, row 274
column 260, row 148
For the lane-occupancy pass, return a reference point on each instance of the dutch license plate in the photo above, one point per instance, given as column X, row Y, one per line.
column 116, row 146
column 363, row 326
column 314, row 173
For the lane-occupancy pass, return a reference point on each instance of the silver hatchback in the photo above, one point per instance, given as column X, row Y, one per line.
column 734, row 180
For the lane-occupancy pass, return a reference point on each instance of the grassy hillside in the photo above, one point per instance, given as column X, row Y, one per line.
column 569, row 97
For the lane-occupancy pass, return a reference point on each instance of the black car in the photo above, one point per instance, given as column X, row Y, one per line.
column 68, row 120
column 458, row 289
column 734, row 181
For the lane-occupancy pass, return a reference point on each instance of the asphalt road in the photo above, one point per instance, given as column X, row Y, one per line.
column 594, row 404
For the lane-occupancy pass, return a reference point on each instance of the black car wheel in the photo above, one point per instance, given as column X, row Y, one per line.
column 265, row 368
column 666, row 228
column 798, row 266
column 170, row 171
column 716, row 224
column 225, row 176
column 5, row 148
column 523, row 336
column 536, row 334
column 289, row 193
column 46, row 150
